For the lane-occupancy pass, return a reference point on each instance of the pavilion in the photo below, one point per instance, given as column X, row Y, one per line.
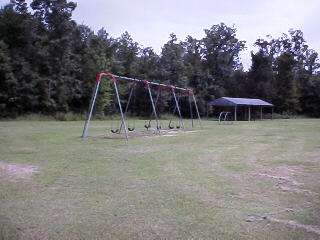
column 242, row 102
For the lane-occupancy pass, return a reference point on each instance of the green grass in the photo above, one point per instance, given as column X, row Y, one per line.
column 199, row 185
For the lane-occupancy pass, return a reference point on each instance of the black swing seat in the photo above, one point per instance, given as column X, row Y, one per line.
column 170, row 126
column 115, row 130
column 131, row 129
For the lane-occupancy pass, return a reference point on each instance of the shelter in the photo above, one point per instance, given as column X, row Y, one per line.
column 241, row 102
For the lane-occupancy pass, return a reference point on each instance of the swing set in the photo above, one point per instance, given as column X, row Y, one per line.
column 150, row 87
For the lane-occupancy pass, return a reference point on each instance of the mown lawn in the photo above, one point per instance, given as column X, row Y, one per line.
column 257, row 180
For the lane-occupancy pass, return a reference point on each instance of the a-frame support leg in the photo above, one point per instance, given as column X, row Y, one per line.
column 197, row 110
column 91, row 106
column 123, row 121
column 153, row 107
column 178, row 108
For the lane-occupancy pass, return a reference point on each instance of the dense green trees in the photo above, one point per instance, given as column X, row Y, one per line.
column 282, row 71
column 48, row 64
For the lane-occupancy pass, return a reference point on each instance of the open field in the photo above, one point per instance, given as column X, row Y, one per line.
column 257, row 180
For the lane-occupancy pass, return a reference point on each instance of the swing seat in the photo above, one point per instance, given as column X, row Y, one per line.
column 131, row 129
column 115, row 131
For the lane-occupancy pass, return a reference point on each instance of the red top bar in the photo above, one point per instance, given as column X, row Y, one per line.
column 113, row 78
column 105, row 74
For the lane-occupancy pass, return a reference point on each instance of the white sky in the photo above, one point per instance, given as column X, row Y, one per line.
column 151, row 22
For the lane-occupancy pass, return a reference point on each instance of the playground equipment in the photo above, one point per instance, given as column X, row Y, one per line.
column 150, row 87
column 225, row 118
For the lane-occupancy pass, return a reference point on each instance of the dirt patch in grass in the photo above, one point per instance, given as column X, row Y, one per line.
column 285, row 178
column 294, row 225
column 144, row 133
column 17, row 171
column 283, row 174
column 288, row 223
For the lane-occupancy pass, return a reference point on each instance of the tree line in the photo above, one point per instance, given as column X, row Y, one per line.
column 48, row 64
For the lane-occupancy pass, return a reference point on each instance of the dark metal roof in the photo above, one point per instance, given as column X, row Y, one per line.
column 227, row 101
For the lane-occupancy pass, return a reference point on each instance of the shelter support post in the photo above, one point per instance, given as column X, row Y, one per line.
column 123, row 120
column 261, row 113
column 197, row 110
column 91, row 106
column 235, row 113
column 249, row 113
column 153, row 107
column 178, row 108
column 272, row 113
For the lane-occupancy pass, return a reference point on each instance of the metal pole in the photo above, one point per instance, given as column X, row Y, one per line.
column 191, row 113
column 261, row 113
column 127, row 106
column 151, row 83
column 156, row 102
column 91, row 106
column 220, row 115
column 245, row 112
column 153, row 108
column 235, row 113
column 178, row 108
column 272, row 113
column 225, row 116
column 249, row 112
column 121, row 112
column 195, row 103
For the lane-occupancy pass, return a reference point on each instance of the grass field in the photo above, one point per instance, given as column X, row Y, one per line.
column 257, row 180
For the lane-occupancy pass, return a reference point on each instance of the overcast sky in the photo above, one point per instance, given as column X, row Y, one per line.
column 150, row 22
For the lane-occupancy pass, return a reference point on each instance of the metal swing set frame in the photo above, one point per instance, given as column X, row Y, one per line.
column 148, row 85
